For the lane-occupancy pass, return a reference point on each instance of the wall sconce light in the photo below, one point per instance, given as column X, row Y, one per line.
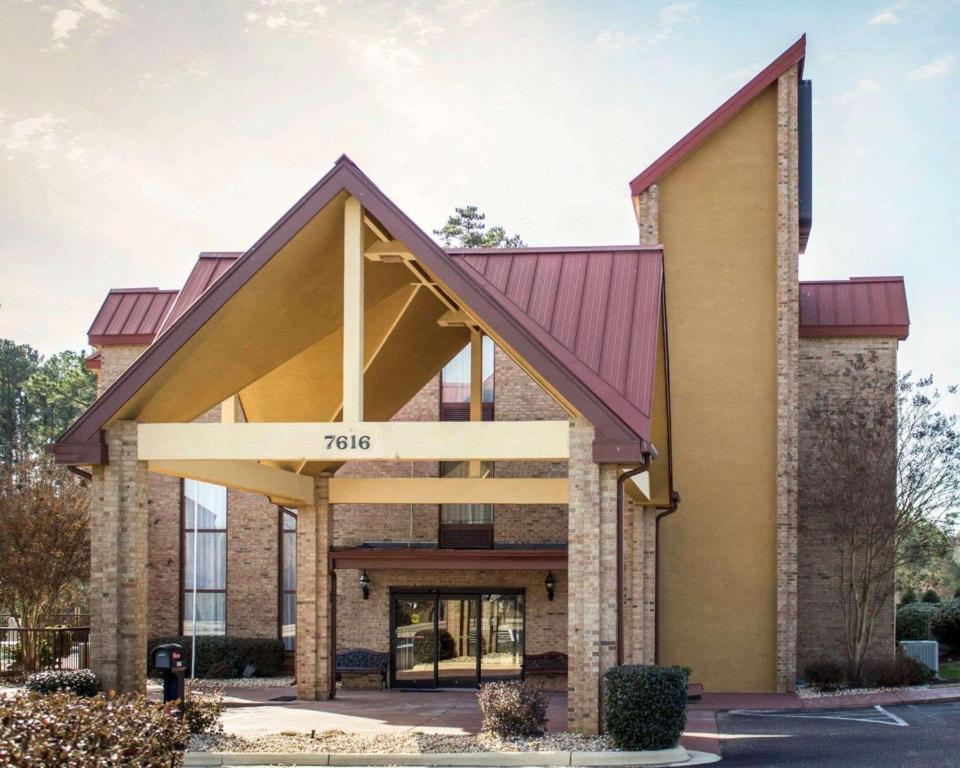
column 364, row 585
column 551, row 584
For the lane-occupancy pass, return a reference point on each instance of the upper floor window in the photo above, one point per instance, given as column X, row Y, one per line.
column 204, row 558
column 455, row 384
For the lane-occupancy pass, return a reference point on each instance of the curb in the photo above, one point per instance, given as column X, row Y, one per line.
column 678, row 756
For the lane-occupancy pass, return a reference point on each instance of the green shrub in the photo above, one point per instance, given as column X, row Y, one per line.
column 423, row 646
column 945, row 624
column 218, row 655
column 930, row 596
column 81, row 682
column 956, row 593
column 512, row 709
column 202, row 707
column 908, row 596
column 894, row 673
column 65, row 730
column 645, row 706
column 913, row 621
column 827, row 674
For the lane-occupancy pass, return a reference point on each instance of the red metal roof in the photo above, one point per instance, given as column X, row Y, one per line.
column 717, row 119
column 596, row 310
column 92, row 362
column 130, row 316
column 860, row 306
column 208, row 269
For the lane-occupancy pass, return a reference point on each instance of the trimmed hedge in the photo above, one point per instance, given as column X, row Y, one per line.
column 512, row 709
column 224, row 656
column 914, row 619
column 81, row 682
column 61, row 729
column 645, row 706
column 930, row 596
column 945, row 624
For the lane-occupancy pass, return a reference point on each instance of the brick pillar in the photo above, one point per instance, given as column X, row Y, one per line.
column 118, row 564
column 592, row 591
column 315, row 598
column 640, row 582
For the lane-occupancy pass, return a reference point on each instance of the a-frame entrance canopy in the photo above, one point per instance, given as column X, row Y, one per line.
column 584, row 322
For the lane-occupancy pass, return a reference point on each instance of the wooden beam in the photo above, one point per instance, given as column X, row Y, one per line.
column 375, row 228
column 374, row 349
column 353, row 262
column 281, row 486
column 476, row 389
column 449, row 490
column 353, row 441
column 230, row 410
column 389, row 252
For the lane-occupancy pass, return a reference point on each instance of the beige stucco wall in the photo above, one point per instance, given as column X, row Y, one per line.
column 718, row 557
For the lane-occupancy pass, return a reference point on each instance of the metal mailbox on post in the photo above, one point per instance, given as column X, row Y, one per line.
column 168, row 660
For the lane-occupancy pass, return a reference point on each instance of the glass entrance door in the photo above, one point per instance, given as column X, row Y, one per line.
column 457, row 653
column 452, row 639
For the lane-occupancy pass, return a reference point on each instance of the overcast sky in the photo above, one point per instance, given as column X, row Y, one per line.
column 135, row 134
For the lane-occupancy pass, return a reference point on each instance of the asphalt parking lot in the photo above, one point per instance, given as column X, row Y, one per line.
column 901, row 736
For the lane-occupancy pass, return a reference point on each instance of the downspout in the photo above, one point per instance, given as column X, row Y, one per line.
column 621, row 479
column 661, row 513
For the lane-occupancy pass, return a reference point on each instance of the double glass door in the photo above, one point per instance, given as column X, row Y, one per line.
column 455, row 640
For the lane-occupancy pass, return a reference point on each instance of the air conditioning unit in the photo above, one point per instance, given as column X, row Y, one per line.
column 924, row 651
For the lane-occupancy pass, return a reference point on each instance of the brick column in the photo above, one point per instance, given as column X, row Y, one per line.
column 118, row 564
column 592, row 591
column 640, row 582
column 315, row 598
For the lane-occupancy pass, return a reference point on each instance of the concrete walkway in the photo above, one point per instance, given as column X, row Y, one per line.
column 251, row 713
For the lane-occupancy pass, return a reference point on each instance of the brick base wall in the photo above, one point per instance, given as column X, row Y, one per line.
column 820, row 622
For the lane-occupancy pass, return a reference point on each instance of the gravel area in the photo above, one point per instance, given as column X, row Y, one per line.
column 230, row 682
column 388, row 744
column 805, row 692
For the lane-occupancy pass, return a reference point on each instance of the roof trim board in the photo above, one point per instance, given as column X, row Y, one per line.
column 794, row 55
column 83, row 442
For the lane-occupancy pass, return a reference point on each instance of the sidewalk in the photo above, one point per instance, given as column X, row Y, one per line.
column 250, row 711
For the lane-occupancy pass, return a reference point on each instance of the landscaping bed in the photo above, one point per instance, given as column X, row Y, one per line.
column 155, row 684
column 340, row 742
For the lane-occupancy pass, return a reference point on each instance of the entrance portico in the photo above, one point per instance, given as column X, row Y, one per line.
column 313, row 341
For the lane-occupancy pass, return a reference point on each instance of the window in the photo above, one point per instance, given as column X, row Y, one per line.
column 204, row 558
column 465, row 514
column 455, row 384
column 288, row 578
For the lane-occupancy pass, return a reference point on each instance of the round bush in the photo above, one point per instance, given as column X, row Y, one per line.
column 512, row 709
column 930, row 596
column 913, row 621
column 908, row 596
column 945, row 624
column 645, row 706
column 80, row 682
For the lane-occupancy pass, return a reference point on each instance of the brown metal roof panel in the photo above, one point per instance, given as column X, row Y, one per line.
column 130, row 316
column 860, row 306
column 601, row 321
column 209, row 268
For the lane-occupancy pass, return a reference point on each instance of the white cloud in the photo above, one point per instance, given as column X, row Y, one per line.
column 65, row 22
column 609, row 41
column 672, row 16
column 744, row 74
column 936, row 68
column 867, row 85
column 67, row 19
column 884, row 17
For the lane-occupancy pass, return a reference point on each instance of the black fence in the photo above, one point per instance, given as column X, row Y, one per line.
column 23, row 651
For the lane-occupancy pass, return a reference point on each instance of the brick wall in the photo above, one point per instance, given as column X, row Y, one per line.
column 820, row 627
